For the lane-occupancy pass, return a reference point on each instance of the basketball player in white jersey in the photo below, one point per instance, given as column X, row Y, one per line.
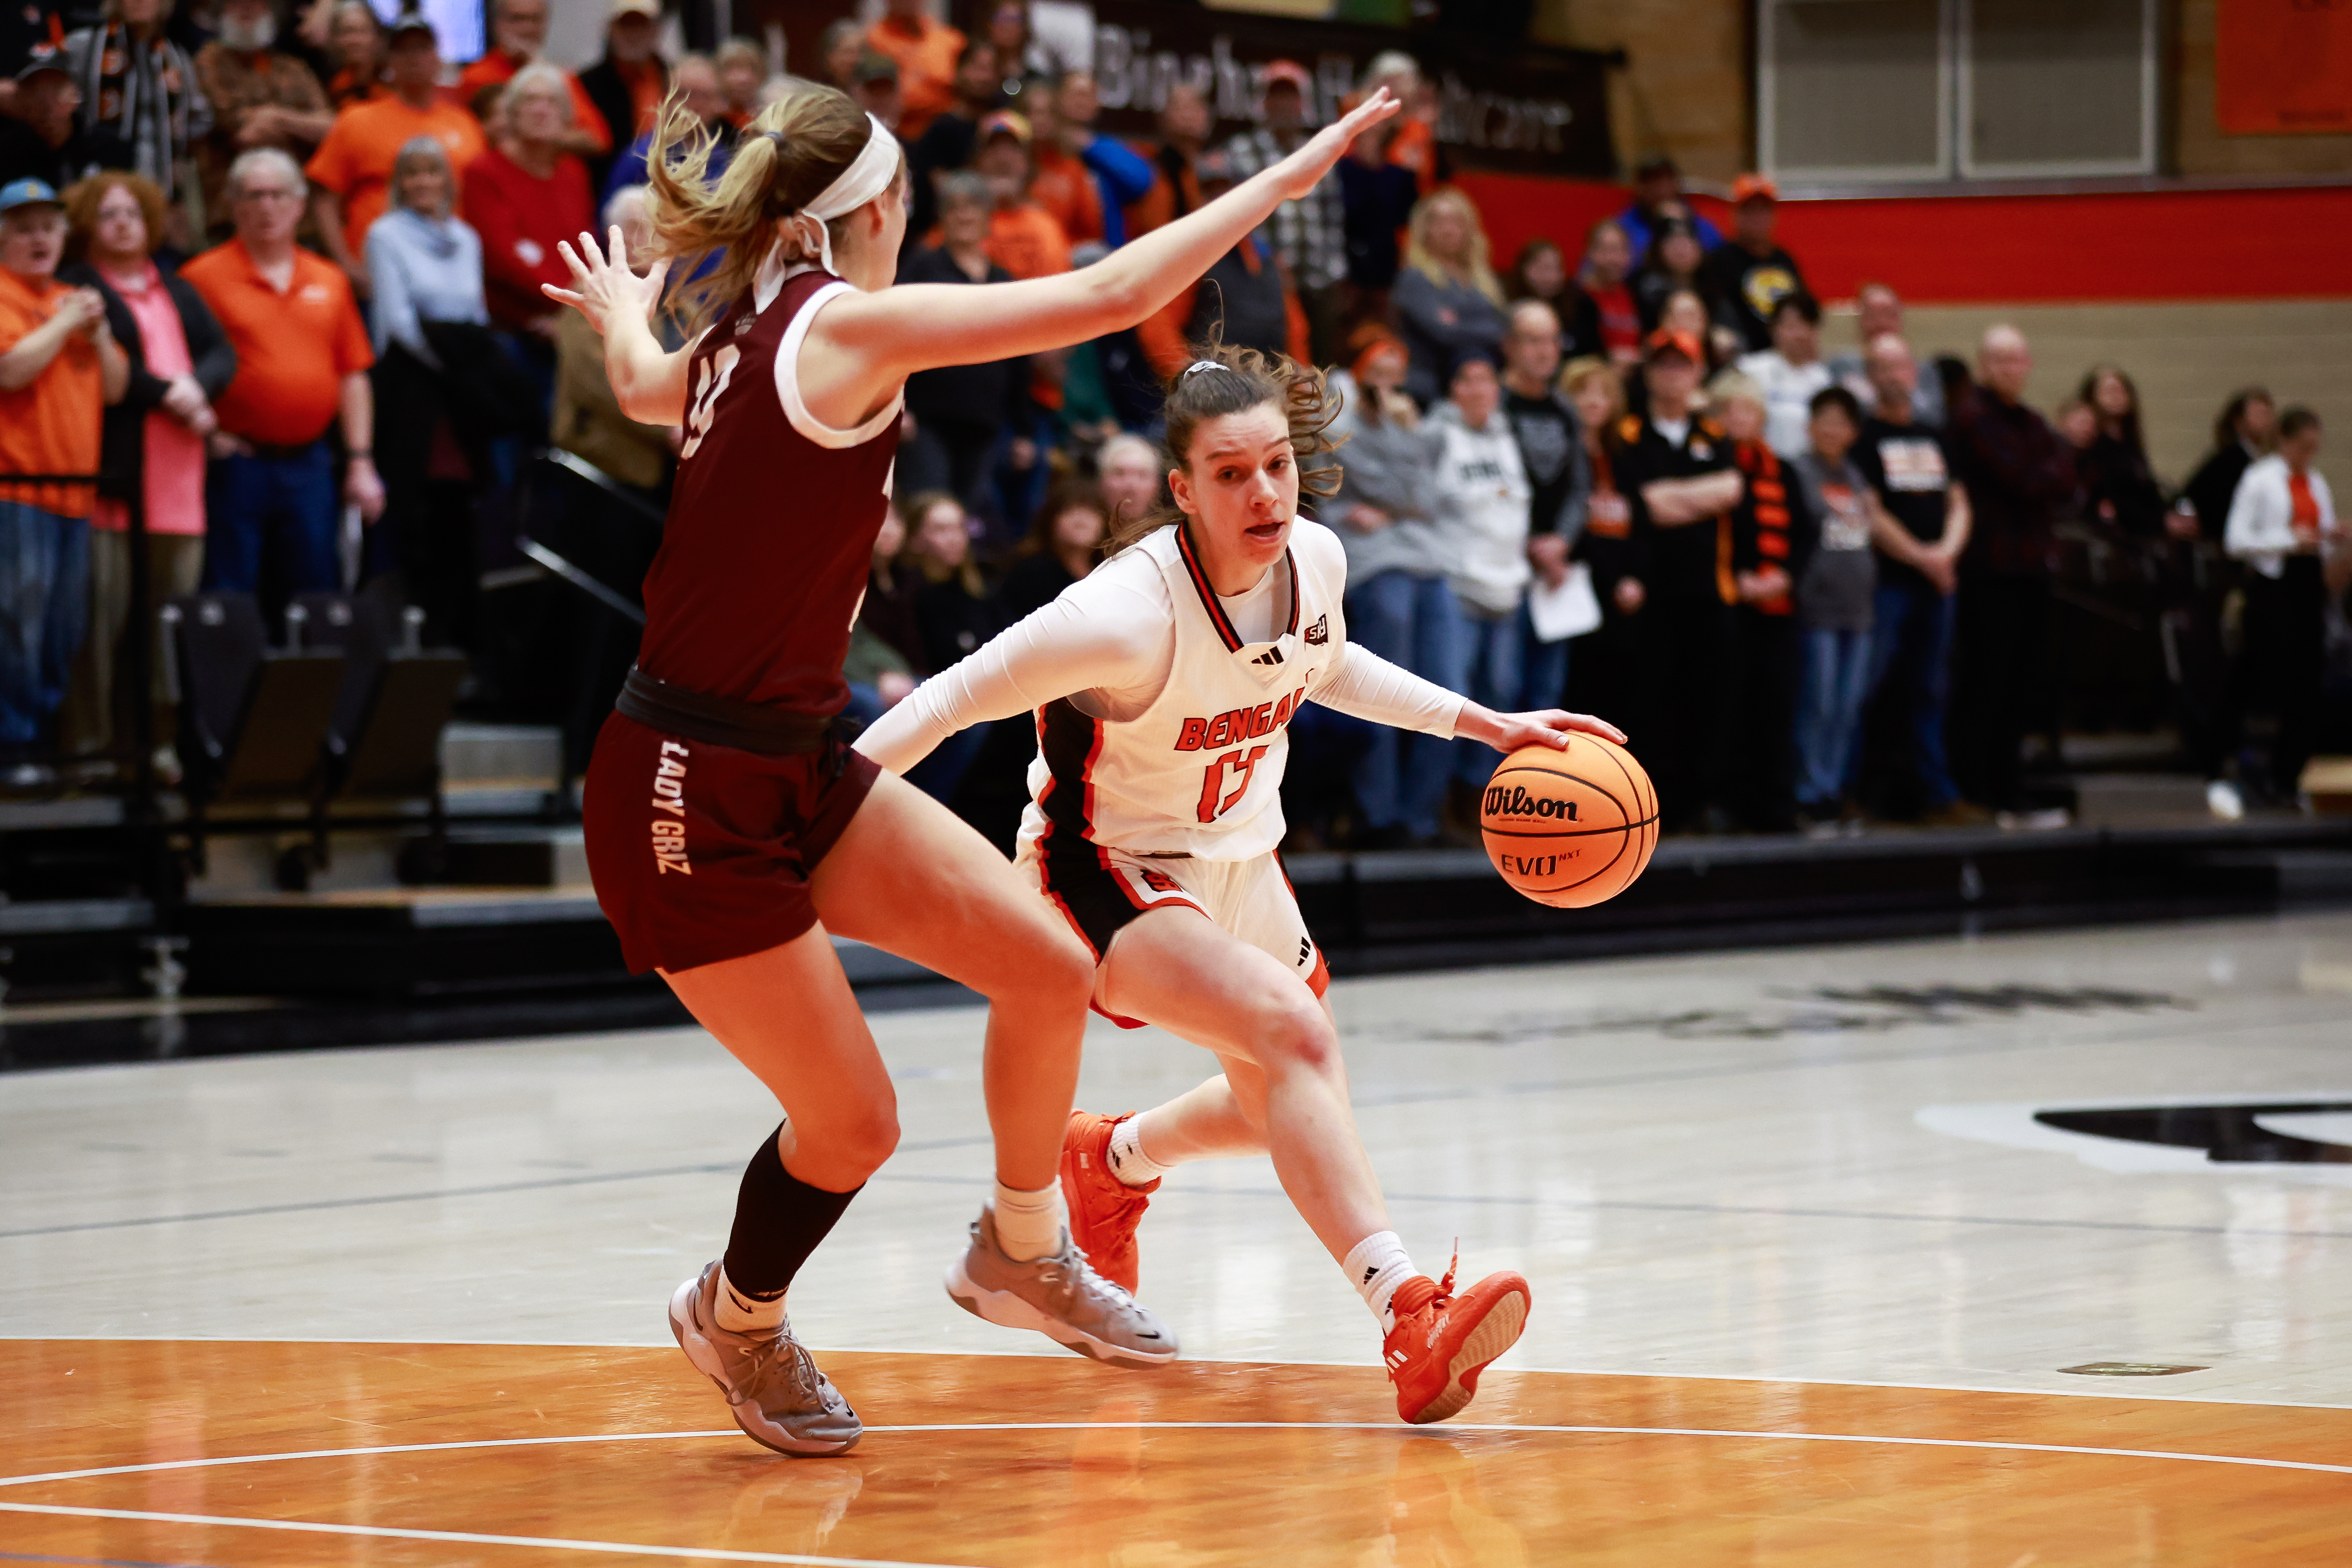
column 729, row 829
column 1163, row 684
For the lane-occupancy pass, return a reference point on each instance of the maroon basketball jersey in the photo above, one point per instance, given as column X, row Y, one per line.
column 771, row 523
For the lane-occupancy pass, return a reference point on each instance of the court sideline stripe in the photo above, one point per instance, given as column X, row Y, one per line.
column 1861, row 1437
column 470, row 1538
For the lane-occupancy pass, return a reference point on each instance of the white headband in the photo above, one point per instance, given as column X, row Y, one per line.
column 869, row 174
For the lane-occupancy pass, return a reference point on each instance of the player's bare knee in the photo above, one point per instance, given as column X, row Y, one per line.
column 1295, row 1036
column 850, row 1148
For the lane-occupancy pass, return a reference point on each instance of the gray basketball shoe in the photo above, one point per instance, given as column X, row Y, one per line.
column 1061, row 1297
column 773, row 1387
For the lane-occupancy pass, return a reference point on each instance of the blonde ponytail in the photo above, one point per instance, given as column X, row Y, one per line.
column 788, row 155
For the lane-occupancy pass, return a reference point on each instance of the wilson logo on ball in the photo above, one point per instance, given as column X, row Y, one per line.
column 1513, row 800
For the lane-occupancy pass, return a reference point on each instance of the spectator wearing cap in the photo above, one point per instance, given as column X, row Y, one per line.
column 960, row 413
column 1878, row 312
column 36, row 129
column 1658, row 194
column 925, row 51
column 946, row 144
column 1447, row 301
column 60, row 367
column 519, row 38
column 873, row 84
column 26, row 31
column 1022, row 238
column 351, row 171
column 697, row 81
column 1674, row 467
column 1184, row 124
column 2283, row 524
column 2020, row 474
column 1242, row 296
column 1084, row 177
column 261, row 97
column 1791, row 373
column 1400, row 603
column 1310, row 232
column 1749, row 274
column 628, row 83
column 524, row 196
column 303, row 358
column 153, row 443
column 355, row 47
column 1480, row 502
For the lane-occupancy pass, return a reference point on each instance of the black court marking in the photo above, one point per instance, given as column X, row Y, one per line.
column 2230, row 1134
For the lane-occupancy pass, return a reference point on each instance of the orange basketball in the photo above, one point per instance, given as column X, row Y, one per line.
column 1569, row 828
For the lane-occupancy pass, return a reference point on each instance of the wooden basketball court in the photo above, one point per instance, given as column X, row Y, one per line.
column 1814, row 1284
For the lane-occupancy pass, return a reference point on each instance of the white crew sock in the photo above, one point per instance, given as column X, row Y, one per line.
column 1128, row 1162
column 1028, row 1224
column 742, row 1314
column 1376, row 1266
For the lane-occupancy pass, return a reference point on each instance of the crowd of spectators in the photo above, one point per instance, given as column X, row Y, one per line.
column 275, row 280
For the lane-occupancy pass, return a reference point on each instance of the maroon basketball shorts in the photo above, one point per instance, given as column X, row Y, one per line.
column 700, row 852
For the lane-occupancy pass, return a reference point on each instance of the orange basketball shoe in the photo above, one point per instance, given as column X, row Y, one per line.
column 1442, row 1342
column 1104, row 1210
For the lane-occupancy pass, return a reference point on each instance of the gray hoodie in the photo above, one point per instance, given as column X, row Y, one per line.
column 1386, row 466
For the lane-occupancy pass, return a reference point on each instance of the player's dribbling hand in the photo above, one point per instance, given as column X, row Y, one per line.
column 1303, row 169
column 1506, row 733
column 603, row 282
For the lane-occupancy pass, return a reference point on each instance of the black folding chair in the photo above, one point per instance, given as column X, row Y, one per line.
column 253, row 719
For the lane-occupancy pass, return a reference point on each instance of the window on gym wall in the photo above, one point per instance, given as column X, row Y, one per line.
column 1857, row 91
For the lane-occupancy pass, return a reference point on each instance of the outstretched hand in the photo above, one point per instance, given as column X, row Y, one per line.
column 1506, row 733
column 603, row 283
column 1304, row 169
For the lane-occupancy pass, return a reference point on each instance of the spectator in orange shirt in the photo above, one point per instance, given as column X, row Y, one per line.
column 1022, row 238
column 302, row 359
column 524, row 197
column 1083, row 177
column 519, row 29
column 58, row 367
column 1413, row 141
column 353, row 167
column 925, row 52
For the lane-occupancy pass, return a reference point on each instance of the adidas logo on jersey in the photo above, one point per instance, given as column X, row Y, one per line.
column 1319, row 632
column 1272, row 655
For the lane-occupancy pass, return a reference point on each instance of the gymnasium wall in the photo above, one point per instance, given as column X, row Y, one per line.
column 1686, row 88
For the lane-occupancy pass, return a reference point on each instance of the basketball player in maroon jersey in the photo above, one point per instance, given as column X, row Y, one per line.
column 730, row 828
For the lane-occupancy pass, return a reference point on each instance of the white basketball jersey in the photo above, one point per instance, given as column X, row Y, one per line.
column 1198, row 772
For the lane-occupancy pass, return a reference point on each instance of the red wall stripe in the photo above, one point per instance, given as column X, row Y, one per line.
column 2281, row 244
